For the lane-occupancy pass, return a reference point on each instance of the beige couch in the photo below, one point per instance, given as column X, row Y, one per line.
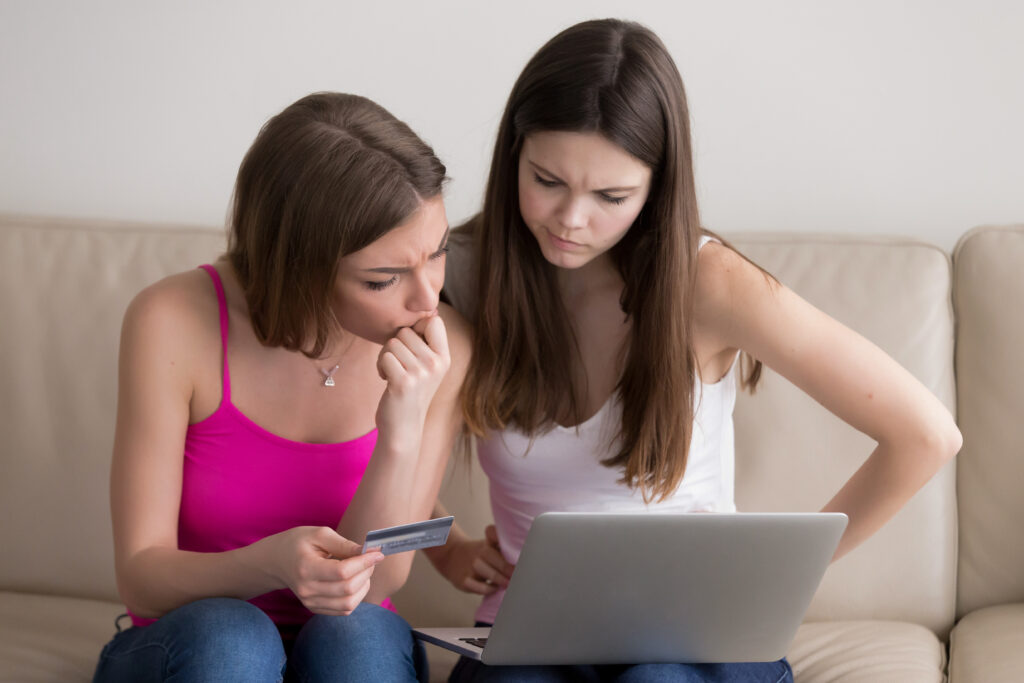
column 938, row 592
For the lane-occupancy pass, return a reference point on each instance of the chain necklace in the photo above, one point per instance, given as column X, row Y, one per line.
column 329, row 374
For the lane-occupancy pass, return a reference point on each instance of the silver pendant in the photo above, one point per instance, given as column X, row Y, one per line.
column 329, row 382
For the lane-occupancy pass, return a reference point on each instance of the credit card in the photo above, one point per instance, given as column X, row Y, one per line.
column 399, row 539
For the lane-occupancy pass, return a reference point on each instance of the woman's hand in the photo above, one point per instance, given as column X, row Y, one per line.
column 413, row 366
column 476, row 566
column 325, row 570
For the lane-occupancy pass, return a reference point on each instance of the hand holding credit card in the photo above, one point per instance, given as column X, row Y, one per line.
column 399, row 539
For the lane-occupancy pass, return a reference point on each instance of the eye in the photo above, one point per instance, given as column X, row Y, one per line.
column 613, row 200
column 440, row 252
column 378, row 286
column 544, row 181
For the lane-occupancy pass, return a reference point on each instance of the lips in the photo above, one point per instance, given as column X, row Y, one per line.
column 563, row 243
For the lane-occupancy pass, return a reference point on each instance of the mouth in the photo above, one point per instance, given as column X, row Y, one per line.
column 562, row 243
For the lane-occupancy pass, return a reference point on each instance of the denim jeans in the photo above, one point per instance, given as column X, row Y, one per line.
column 747, row 672
column 224, row 639
column 470, row 670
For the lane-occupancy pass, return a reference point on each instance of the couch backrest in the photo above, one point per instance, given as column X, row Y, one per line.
column 64, row 286
column 791, row 453
column 989, row 300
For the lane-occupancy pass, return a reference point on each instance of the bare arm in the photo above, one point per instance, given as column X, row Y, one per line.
column 851, row 377
column 160, row 341
column 471, row 565
column 414, row 441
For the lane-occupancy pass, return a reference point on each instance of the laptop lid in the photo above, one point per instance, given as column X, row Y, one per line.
column 607, row 588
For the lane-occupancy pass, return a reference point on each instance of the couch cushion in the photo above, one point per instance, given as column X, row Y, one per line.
column 64, row 286
column 866, row 652
column 46, row 638
column 987, row 646
column 989, row 300
column 792, row 454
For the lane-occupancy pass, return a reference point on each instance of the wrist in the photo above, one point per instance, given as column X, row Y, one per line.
column 440, row 555
column 259, row 558
column 400, row 441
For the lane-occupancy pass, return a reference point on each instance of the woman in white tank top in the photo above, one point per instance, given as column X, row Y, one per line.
column 608, row 327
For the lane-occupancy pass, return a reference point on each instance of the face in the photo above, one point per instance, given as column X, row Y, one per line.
column 578, row 194
column 395, row 281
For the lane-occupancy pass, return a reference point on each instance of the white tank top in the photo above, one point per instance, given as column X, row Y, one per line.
column 561, row 470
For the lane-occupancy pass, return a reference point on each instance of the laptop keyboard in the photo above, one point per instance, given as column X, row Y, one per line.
column 479, row 642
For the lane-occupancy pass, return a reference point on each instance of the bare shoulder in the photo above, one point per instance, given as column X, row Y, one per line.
column 176, row 315
column 728, row 287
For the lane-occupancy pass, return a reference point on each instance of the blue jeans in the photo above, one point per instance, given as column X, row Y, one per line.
column 224, row 639
column 472, row 671
column 747, row 672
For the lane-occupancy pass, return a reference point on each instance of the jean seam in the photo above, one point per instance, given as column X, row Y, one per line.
column 784, row 675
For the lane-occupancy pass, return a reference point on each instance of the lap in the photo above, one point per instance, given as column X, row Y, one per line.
column 468, row 670
column 226, row 639
column 223, row 637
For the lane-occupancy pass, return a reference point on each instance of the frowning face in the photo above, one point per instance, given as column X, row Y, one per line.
column 579, row 193
column 396, row 280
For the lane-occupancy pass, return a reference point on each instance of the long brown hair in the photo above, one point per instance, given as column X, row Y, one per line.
column 617, row 79
column 324, row 178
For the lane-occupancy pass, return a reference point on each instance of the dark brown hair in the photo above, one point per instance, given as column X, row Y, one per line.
column 617, row 79
column 324, row 178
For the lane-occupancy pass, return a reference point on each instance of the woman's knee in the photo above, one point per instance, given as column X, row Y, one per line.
column 219, row 639
column 370, row 643
column 226, row 633
column 368, row 623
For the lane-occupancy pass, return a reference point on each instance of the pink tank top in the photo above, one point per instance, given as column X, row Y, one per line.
column 242, row 483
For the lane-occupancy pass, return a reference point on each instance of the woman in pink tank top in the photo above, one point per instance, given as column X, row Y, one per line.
column 277, row 405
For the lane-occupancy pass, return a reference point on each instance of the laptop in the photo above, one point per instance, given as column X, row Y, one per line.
column 615, row 588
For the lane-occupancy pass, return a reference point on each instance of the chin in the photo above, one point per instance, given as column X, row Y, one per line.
column 561, row 259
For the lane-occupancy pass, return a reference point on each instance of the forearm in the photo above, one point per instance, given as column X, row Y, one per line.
column 886, row 481
column 439, row 554
column 156, row 580
column 402, row 489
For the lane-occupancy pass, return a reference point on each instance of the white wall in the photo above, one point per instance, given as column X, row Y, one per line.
column 872, row 117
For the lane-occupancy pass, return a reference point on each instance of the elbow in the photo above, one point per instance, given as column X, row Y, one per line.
column 928, row 443
column 136, row 598
column 134, row 604
column 941, row 439
column 954, row 440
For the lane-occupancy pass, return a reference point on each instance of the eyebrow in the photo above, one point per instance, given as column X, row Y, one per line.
column 399, row 271
column 543, row 170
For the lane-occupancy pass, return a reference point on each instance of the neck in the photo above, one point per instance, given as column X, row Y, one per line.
column 596, row 279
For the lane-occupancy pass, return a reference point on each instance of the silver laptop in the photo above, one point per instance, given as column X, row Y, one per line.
column 612, row 588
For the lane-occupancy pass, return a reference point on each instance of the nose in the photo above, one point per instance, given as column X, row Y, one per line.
column 573, row 212
column 425, row 293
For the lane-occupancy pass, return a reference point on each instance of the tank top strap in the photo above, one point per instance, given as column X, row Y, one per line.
column 222, row 305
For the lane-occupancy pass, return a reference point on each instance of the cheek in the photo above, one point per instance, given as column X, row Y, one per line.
column 437, row 275
column 358, row 311
column 532, row 204
column 614, row 227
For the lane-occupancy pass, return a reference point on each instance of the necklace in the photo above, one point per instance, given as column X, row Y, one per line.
column 329, row 374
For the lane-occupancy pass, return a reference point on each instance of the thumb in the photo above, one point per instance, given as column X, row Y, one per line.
column 491, row 532
column 340, row 547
